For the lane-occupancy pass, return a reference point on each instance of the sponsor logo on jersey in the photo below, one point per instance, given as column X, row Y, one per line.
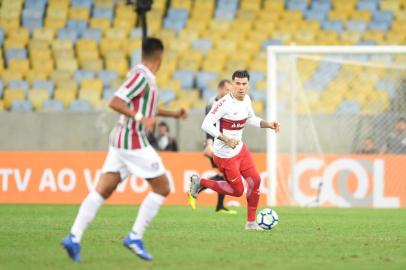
column 219, row 104
column 232, row 124
column 238, row 125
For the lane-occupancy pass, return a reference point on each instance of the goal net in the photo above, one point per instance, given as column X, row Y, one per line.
column 342, row 111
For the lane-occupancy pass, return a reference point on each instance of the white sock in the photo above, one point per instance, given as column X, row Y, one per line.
column 87, row 212
column 149, row 208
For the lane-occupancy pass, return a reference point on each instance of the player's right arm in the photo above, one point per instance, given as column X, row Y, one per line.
column 130, row 89
column 216, row 112
column 208, row 149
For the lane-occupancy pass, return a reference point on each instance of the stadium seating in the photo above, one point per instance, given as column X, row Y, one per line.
column 37, row 97
column 11, row 95
column 80, row 105
column 90, row 45
column 21, row 106
column 52, row 106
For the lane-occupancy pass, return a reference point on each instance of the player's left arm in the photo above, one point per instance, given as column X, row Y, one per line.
column 256, row 121
column 272, row 125
column 181, row 113
column 121, row 106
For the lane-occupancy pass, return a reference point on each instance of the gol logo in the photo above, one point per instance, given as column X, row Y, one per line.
column 366, row 177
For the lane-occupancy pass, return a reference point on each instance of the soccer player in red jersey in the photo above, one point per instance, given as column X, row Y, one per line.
column 130, row 153
column 225, row 122
column 224, row 87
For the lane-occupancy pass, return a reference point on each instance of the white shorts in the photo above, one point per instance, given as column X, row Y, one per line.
column 144, row 163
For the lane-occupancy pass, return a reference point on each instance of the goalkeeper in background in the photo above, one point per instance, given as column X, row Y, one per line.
column 224, row 87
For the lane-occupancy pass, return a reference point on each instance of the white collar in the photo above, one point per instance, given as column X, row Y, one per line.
column 147, row 70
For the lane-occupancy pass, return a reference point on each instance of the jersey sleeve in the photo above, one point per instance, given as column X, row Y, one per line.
column 207, row 110
column 216, row 112
column 253, row 120
column 132, row 87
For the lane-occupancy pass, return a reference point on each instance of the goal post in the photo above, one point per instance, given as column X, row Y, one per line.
column 313, row 89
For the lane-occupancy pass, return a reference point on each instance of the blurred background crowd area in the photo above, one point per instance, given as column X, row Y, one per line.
column 71, row 55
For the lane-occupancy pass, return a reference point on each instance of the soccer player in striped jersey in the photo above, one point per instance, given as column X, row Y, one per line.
column 130, row 153
column 225, row 122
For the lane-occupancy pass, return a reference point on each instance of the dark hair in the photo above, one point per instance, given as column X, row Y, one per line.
column 150, row 46
column 402, row 119
column 241, row 74
column 164, row 124
column 222, row 83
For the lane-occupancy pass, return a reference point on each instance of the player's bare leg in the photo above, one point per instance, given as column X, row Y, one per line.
column 148, row 210
column 107, row 184
column 87, row 212
column 160, row 185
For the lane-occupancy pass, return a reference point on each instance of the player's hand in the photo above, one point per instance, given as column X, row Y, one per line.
column 181, row 113
column 232, row 143
column 148, row 123
column 208, row 150
column 275, row 126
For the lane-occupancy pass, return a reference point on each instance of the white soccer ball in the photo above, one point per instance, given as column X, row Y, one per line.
column 267, row 219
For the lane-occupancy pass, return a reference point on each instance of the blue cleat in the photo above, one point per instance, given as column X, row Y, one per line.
column 72, row 248
column 137, row 247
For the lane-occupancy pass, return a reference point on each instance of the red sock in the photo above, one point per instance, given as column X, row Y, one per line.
column 253, row 180
column 223, row 187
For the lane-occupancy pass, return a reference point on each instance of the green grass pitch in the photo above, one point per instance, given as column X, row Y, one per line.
column 305, row 238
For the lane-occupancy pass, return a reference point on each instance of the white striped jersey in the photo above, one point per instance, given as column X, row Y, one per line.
column 141, row 94
column 229, row 117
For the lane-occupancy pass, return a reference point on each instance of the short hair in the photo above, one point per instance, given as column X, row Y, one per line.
column 222, row 83
column 150, row 46
column 164, row 124
column 402, row 119
column 241, row 74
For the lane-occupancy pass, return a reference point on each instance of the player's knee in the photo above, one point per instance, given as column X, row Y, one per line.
column 165, row 191
column 239, row 193
column 257, row 181
column 160, row 185
column 239, row 190
column 162, row 190
column 107, row 184
column 104, row 193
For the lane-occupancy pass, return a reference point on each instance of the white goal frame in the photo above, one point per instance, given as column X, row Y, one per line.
column 271, row 103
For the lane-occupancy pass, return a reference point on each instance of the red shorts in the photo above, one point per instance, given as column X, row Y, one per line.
column 233, row 167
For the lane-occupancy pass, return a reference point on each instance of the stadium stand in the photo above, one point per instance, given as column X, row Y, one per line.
column 76, row 52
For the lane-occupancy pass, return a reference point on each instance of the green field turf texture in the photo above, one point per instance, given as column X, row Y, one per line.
column 179, row 238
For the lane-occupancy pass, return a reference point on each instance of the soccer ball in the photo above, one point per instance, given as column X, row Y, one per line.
column 267, row 219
